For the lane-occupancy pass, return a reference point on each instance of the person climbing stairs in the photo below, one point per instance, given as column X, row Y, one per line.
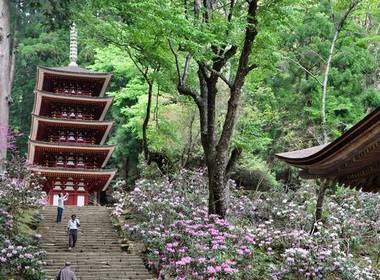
column 98, row 254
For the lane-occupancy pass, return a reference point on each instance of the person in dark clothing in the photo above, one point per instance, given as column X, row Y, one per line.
column 72, row 229
column 66, row 273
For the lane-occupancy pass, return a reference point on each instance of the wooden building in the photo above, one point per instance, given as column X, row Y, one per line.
column 352, row 160
column 68, row 132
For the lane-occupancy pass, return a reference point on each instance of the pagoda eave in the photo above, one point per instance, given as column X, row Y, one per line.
column 40, row 95
column 76, row 173
column 37, row 120
column 67, row 147
column 70, row 72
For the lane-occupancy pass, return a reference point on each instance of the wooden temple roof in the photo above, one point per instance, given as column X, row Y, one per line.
column 74, row 70
column 72, row 73
column 35, row 146
column 104, row 176
column 40, row 95
column 104, row 126
column 352, row 160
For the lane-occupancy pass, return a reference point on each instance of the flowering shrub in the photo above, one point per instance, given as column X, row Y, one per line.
column 20, row 196
column 21, row 260
column 262, row 238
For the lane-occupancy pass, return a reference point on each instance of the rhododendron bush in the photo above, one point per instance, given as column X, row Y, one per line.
column 20, row 197
column 264, row 236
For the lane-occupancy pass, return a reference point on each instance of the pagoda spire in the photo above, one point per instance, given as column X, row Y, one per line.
column 73, row 45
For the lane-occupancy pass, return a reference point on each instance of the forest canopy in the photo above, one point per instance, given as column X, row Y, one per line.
column 205, row 94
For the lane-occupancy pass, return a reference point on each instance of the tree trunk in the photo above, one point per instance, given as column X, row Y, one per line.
column 146, row 122
column 5, row 79
column 216, row 150
column 320, row 200
column 325, row 138
column 220, row 187
column 338, row 28
column 319, row 206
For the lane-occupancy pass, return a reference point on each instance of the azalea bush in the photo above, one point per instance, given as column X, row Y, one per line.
column 264, row 236
column 20, row 199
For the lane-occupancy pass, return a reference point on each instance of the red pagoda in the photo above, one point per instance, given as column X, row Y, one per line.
column 68, row 132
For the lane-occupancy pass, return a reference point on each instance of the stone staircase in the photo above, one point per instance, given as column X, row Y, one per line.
column 97, row 256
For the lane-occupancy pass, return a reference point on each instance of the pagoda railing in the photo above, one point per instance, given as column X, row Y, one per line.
column 72, row 115
column 71, row 139
column 80, row 165
column 73, row 92
column 69, row 88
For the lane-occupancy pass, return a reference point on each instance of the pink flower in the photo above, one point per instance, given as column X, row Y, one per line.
column 211, row 269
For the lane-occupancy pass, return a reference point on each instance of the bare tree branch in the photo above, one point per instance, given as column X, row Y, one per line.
column 229, row 17
column 251, row 67
column 176, row 61
column 220, row 75
column 221, row 61
column 235, row 154
column 305, row 69
column 317, row 54
column 185, row 69
column 181, row 87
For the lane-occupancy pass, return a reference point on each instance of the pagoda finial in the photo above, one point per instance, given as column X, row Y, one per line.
column 73, row 45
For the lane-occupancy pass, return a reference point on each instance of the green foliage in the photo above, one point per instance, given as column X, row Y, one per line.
column 281, row 98
column 37, row 48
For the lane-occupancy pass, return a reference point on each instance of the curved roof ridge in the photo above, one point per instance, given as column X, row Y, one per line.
column 74, row 70
column 97, row 146
column 318, row 152
column 90, row 98
column 104, row 122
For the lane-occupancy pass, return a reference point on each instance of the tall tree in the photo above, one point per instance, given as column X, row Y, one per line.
column 338, row 26
column 5, row 76
column 216, row 148
column 143, row 49
column 213, row 39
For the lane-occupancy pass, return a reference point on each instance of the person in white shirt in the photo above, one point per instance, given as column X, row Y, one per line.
column 72, row 229
column 61, row 206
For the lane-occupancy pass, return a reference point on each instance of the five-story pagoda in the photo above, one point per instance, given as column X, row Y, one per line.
column 68, row 132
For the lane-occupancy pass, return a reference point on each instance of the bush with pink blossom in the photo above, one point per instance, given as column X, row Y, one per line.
column 265, row 236
column 20, row 199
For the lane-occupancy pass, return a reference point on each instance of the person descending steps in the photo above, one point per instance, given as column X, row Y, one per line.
column 72, row 230
column 98, row 254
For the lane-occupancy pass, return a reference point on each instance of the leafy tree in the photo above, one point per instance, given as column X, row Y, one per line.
column 33, row 38
column 144, row 50
column 213, row 37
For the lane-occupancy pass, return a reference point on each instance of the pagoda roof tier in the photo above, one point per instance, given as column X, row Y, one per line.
column 353, row 159
column 36, row 148
column 46, row 75
column 40, row 124
column 102, row 177
column 44, row 98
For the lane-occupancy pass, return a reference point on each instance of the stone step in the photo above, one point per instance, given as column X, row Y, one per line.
column 97, row 256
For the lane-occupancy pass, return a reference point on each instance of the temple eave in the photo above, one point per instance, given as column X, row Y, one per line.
column 72, row 72
column 37, row 147
column 102, row 175
column 79, row 172
column 352, row 160
column 43, row 97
